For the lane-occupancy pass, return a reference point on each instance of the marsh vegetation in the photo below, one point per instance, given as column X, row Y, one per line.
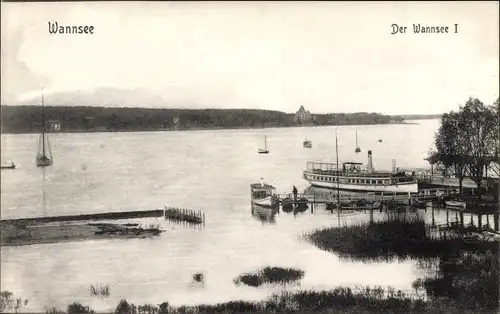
column 270, row 275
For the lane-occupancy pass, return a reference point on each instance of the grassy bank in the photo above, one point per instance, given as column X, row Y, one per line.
column 339, row 300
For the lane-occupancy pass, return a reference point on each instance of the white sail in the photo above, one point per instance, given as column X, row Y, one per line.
column 44, row 154
column 44, row 151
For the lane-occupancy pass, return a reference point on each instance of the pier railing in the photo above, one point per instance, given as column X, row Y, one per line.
column 185, row 215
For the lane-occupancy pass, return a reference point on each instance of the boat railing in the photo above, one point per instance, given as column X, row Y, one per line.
column 321, row 166
column 365, row 175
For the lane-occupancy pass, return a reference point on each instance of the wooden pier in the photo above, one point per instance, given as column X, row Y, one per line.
column 97, row 216
column 393, row 201
column 185, row 215
column 327, row 198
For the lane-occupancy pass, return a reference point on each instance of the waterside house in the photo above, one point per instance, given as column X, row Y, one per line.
column 53, row 126
column 302, row 115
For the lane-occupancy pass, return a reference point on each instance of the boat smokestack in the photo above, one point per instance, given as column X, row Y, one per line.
column 261, row 181
column 370, row 162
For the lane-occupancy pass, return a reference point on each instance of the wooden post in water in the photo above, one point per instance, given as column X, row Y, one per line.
column 462, row 219
column 447, row 218
column 312, row 204
column 433, row 218
column 479, row 220
column 495, row 221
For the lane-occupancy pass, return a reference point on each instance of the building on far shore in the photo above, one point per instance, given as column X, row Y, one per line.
column 302, row 115
column 53, row 125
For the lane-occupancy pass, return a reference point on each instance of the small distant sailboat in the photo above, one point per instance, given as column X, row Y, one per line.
column 307, row 143
column 8, row 165
column 265, row 150
column 44, row 155
column 357, row 150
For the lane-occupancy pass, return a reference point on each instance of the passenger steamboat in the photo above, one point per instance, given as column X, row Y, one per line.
column 354, row 177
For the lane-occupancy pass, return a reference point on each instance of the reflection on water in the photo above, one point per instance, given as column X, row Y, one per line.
column 264, row 214
column 213, row 178
column 466, row 272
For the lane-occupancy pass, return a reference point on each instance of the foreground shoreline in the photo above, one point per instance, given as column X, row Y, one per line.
column 21, row 234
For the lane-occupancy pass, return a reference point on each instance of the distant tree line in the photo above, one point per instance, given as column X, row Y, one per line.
column 421, row 116
column 27, row 119
column 468, row 140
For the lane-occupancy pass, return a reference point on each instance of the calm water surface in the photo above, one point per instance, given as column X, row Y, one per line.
column 207, row 170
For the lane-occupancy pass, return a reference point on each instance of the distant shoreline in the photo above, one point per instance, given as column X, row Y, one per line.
column 81, row 119
column 204, row 129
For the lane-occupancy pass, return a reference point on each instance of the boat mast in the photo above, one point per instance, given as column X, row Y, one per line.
column 356, row 138
column 337, row 155
column 265, row 142
column 43, row 127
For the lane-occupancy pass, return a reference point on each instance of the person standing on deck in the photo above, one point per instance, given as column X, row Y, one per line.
column 294, row 191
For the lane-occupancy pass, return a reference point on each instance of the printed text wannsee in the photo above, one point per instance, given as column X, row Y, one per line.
column 56, row 28
column 422, row 29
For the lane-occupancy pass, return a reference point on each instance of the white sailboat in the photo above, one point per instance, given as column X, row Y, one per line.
column 44, row 155
column 357, row 150
column 265, row 150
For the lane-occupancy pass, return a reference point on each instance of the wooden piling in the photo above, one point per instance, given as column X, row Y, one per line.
column 495, row 221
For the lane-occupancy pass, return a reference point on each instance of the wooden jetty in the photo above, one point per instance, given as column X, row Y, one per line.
column 185, row 215
column 371, row 201
column 98, row 216
column 327, row 198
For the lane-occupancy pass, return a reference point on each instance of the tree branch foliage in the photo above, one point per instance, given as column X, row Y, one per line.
column 467, row 140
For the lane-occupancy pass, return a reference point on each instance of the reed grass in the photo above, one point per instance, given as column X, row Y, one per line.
column 99, row 290
column 338, row 300
column 467, row 272
column 77, row 308
column 271, row 275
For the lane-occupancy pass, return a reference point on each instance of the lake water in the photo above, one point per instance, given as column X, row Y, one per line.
column 206, row 170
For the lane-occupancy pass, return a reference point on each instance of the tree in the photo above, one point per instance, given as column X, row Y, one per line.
column 478, row 124
column 451, row 145
column 496, row 132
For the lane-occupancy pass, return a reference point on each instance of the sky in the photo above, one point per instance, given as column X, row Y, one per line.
column 326, row 56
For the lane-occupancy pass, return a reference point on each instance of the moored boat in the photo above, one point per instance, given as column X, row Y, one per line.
column 265, row 150
column 352, row 176
column 456, row 202
column 357, row 150
column 263, row 194
column 307, row 143
column 44, row 155
column 8, row 165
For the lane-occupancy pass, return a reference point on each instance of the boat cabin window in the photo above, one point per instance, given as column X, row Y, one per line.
column 260, row 194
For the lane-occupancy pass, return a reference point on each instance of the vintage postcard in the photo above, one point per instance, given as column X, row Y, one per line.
column 259, row 157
